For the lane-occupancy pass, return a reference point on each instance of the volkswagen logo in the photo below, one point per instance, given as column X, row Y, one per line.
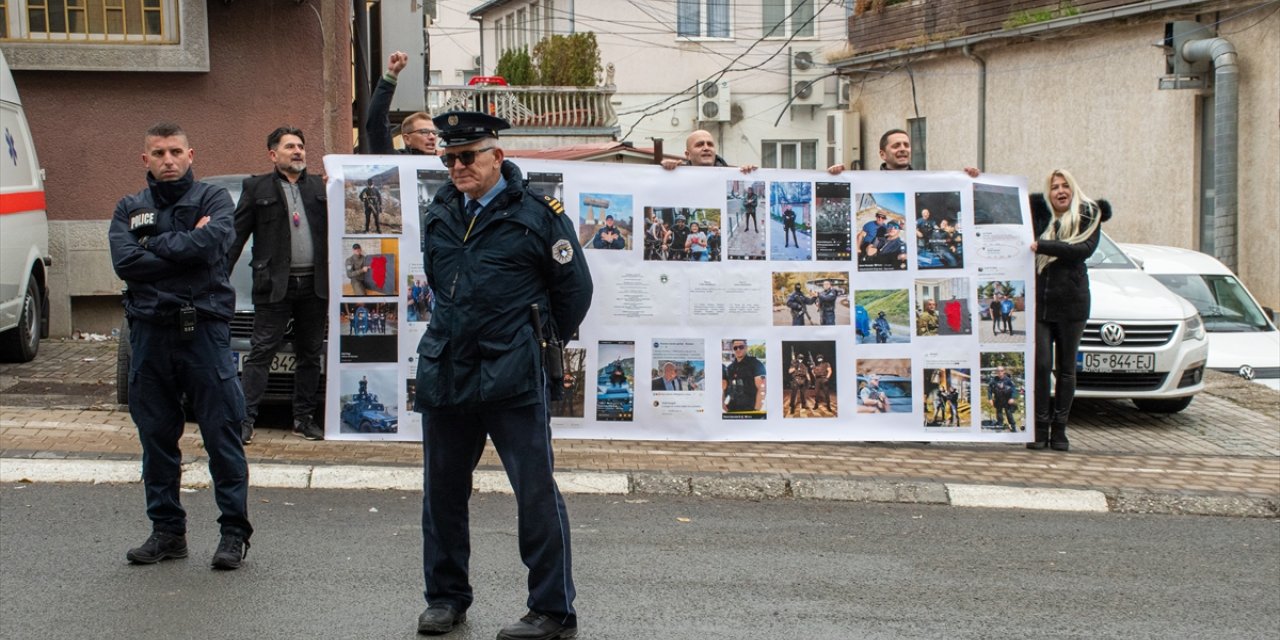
column 1112, row 334
column 1245, row 372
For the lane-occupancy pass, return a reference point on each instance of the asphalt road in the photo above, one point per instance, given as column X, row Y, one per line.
column 333, row 564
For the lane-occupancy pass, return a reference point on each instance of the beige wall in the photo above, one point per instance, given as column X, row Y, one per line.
column 1090, row 104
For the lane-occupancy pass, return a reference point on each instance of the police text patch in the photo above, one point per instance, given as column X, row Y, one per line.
column 562, row 251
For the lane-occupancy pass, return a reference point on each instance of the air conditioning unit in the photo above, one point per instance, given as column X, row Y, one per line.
column 806, row 88
column 713, row 101
column 843, row 90
column 476, row 62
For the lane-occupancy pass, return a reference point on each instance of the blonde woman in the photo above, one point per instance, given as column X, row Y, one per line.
column 1067, row 224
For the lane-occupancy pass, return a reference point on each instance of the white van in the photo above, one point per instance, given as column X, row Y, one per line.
column 24, row 232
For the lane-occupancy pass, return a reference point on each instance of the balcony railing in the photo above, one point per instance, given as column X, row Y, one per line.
column 531, row 107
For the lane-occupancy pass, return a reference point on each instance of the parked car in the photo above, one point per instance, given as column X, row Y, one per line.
column 1243, row 338
column 1141, row 342
column 897, row 391
column 24, row 233
column 280, row 374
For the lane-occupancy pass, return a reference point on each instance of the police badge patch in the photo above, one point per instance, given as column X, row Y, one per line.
column 562, row 251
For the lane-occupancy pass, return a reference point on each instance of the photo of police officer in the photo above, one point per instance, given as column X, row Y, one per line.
column 883, row 385
column 367, row 331
column 833, row 224
column 744, row 207
column 946, row 397
column 878, row 242
column 615, row 381
column 571, row 403
column 810, row 379
column 939, row 241
column 994, row 204
column 743, row 379
column 1001, row 304
column 418, row 298
column 680, row 234
column 882, row 316
column 790, row 220
column 367, row 400
column 1003, row 393
column 810, row 298
column 604, row 221
column 371, row 199
column 943, row 307
column 369, row 265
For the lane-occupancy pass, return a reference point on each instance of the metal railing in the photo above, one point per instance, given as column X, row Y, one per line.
column 530, row 107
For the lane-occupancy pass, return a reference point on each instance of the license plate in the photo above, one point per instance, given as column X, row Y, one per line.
column 1116, row 362
column 280, row 363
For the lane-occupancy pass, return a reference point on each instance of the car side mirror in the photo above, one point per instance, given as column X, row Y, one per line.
column 1271, row 314
column 1137, row 261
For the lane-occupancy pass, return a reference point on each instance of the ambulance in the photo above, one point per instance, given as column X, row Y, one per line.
column 24, row 232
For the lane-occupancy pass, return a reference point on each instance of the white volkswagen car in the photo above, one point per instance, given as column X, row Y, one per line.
column 1141, row 342
column 1243, row 339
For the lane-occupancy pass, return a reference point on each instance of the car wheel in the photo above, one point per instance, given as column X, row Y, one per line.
column 1163, row 405
column 365, row 427
column 21, row 343
column 123, row 354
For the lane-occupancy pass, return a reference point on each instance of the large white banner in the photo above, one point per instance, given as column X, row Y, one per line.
column 776, row 305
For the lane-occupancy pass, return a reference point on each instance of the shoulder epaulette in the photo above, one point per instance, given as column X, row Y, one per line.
column 554, row 205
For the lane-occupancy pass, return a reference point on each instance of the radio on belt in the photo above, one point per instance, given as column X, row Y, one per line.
column 187, row 321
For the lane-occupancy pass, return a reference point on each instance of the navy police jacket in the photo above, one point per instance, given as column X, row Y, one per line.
column 481, row 348
column 164, row 259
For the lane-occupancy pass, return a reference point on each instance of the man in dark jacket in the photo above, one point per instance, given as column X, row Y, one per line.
column 1003, row 393
column 480, row 370
column 418, row 131
column 285, row 213
column 169, row 244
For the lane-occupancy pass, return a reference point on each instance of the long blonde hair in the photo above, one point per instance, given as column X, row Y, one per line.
column 1066, row 227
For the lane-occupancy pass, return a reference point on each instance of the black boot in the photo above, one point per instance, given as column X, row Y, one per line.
column 1058, row 437
column 1042, row 436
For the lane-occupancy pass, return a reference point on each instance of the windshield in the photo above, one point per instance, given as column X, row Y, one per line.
column 895, row 388
column 1109, row 256
column 1221, row 300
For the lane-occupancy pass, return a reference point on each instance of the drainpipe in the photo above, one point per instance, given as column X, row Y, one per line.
column 982, row 106
column 1226, row 105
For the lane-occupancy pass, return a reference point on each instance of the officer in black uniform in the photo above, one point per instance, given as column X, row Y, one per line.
column 480, row 370
column 827, row 302
column 169, row 243
column 744, row 380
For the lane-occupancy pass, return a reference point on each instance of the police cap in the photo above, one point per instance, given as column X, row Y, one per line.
column 464, row 127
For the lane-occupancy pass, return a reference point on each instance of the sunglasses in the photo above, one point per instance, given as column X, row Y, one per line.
column 467, row 158
column 739, row 347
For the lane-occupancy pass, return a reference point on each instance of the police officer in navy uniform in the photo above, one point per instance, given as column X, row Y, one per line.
column 169, row 243
column 480, row 371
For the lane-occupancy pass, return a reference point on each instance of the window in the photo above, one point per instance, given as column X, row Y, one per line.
column 549, row 18
column 106, row 35
column 786, row 18
column 702, row 18
column 789, row 154
column 535, row 23
column 522, row 24
column 90, row 21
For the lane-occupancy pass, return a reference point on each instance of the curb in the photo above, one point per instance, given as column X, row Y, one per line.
column 731, row 486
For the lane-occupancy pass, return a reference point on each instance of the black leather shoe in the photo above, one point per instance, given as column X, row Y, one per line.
column 231, row 551
column 437, row 619
column 1059, row 445
column 1039, row 444
column 159, row 546
column 537, row 626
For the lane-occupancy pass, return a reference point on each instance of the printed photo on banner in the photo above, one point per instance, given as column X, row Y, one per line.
column 834, row 224
column 1003, row 393
column 882, row 316
column 1001, row 304
column 418, row 298
column 368, row 400
column 946, row 397
column 367, row 331
column 995, row 204
column 884, row 385
column 371, row 199
column 942, row 307
column 546, row 184
column 616, row 381
column 744, row 207
column 678, row 376
column 880, row 219
column 370, row 266
column 810, row 380
column 939, row 241
column 572, row 402
column 410, row 392
column 429, row 183
column 810, row 298
column 790, row 220
column 683, row 234
column 604, row 221
column 743, row 379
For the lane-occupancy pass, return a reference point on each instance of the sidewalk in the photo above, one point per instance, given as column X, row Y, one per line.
column 1220, row 456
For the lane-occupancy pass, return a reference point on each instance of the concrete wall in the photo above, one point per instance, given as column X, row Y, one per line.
column 271, row 62
column 1089, row 103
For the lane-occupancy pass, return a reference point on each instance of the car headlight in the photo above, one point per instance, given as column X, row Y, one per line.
column 1193, row 328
